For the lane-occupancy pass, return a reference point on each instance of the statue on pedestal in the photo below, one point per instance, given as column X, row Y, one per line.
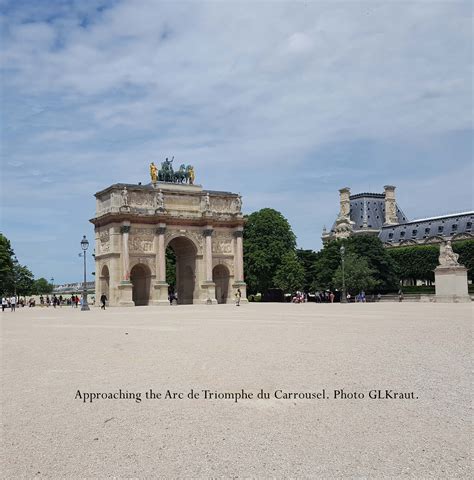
column 159, row 200
column 447, row 258
column 125, row 197
column 153, row 172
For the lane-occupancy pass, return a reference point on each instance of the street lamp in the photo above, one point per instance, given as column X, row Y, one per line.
column 343, row 297
column 84, row 246
column 52, row 283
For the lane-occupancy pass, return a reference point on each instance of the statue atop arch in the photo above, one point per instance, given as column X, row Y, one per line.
column 185, row 173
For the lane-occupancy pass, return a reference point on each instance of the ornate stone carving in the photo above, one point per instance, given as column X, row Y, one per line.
column 125, row 229
column 222, row 243
column 447, row 258
column 104, row 242
column 141, row 240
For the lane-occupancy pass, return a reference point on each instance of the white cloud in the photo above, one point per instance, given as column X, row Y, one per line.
column 237, row 89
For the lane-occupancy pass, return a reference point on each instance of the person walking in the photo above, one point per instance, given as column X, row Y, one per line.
column 238, row 296
column 4, row 304
column 13, row 303
column 103, row 300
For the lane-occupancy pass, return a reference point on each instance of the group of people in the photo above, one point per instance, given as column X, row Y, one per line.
column 10, row 302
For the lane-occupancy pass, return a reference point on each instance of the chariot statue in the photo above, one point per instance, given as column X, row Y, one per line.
column 185, row 174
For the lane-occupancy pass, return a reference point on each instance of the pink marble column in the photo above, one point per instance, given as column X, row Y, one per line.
column 208, row 234
column 239, row 256
column 125, row 230
column 161, row 252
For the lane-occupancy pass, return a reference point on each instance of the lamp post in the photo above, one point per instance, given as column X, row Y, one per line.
column 84, row 246
column 343, row 297
column 52, row 284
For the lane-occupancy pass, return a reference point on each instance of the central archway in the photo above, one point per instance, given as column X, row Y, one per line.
column 140, row 276
column 185, row 252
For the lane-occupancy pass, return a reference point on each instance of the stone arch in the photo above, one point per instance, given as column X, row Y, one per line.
column 140, row 277
column 186, row 252
column 221, row 277
column 104, row 284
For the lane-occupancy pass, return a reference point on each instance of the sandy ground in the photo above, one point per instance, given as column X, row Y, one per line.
column 50, row 354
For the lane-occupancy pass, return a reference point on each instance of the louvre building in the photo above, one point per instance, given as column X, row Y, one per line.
column 379, row 214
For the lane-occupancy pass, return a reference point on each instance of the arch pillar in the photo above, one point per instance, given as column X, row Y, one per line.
column 208, row 285
column 160, row 288
column 125, row 288
column 239, row 266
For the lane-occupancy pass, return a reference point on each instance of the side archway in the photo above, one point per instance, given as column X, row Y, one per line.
column 104, row 284
column 140, row 276
column 221, row 277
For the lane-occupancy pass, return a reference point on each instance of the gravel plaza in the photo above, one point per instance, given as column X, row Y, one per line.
column 330, row 373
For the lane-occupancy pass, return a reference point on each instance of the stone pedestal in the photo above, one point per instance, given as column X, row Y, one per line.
column 210, row 293
column 243, row 291
column 451, row 284
column 160, row 294
column 126, row 294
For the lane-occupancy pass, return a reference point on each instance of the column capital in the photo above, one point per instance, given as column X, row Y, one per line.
column 125, row 229
column 161, row 229
column 238, row 233
column 207, row 232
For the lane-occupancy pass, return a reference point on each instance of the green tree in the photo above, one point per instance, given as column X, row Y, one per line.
column 290, row 275
column 170, row 267
column 415, row 262
column 23, row 279
column 327, row 262
column 267, row 239
column 357, row 274
column 465, row 248
column 378, row 259
column 6, row 266
column 308, row 259
column 42, row 287
column 370, row 248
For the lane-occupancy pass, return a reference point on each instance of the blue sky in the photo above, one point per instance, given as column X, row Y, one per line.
column 284, row 102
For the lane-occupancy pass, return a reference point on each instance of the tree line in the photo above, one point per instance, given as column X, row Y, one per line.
column 16, row 278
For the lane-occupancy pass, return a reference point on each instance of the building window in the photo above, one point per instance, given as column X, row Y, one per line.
column 468, row 225
column 440, row 229
column 390, row 235
column 454, row 226
column 414, row 232
column 427, row 231
column 402, row 234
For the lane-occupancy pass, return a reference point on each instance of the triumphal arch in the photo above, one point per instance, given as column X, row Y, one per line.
column 135, row 224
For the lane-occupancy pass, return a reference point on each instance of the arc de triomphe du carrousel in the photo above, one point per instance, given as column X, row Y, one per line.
column 134, row 225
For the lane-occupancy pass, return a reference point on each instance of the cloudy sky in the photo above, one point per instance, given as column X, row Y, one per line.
column 284, row 102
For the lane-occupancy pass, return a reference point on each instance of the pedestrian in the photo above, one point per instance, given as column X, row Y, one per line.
column 103, row 299
column 4, row 304
column 400, row 295
column 60, row 302
column 379, row 296
column 41, row 300
column 348, row 297
column 331, row 297
column 13, row 303
column 47, row 300
column 238, row 296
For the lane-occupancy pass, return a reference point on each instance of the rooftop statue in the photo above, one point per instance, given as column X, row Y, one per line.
column 153, row 172
column 185, row 174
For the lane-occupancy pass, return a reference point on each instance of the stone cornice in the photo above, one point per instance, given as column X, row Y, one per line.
column 215, row 221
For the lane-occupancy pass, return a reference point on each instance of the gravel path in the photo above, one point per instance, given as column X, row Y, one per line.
column 53, row 358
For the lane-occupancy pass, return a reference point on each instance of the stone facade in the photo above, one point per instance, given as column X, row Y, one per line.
column 134, row 224
column 379, row 215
